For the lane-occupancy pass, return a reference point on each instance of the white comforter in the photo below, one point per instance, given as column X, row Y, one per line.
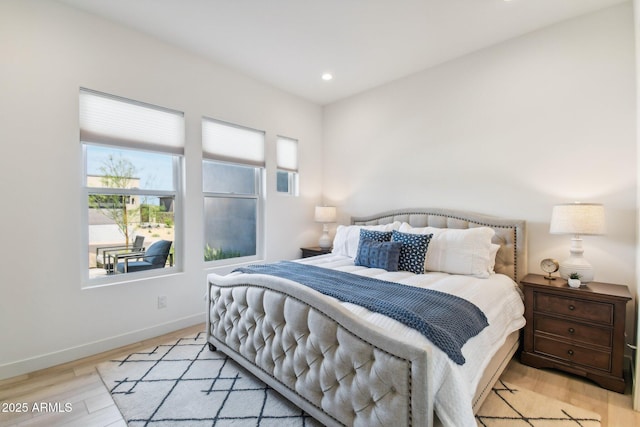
column 454, row 385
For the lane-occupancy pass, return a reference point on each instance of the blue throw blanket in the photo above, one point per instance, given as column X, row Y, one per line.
column 446, row 320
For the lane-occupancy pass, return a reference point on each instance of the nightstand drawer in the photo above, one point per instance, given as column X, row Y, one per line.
column 576, row 308
column 574, row 331
column 573, row 353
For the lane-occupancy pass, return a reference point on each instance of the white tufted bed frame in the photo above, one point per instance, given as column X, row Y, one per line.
column 327, row 361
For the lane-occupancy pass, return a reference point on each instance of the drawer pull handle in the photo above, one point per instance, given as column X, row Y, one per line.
column 572, row 307
column 571, row 330
column 570, row 352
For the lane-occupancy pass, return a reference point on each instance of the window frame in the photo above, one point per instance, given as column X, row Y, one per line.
column 247, row 152
column 176, row 193
column 292, row 183
column 258, row 195
column 285, row 164
column 173, row 147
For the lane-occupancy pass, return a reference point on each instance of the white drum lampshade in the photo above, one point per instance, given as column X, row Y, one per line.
column 577, row 219
column 325, row 215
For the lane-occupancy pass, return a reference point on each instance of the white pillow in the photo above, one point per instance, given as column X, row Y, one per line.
column 348, row 237
column 492, row 257
column 465, row 251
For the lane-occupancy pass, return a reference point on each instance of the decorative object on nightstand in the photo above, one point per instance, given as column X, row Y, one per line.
column 325, row 215
column 313, row 251
column 549, row 266
column 577, row 219
column 580, row 331
column 574, row 280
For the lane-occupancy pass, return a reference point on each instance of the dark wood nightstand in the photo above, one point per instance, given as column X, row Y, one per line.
column 313, row 251
column 580, row 331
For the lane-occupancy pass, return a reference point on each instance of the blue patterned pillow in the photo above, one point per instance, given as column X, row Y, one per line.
column 413, row 251
column 374, row 254
column 376, row 236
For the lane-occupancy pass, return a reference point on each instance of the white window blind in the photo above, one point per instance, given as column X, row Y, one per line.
column 108, row 119
column 287, row 154
column 231, row 143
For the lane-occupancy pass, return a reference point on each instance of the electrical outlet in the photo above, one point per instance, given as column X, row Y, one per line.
column 162, row 301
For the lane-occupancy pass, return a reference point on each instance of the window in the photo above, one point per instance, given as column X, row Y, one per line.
column 132, row 155
column 232, row 172
column 287, row 160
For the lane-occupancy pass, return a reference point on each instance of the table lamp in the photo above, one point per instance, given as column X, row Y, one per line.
column 577, row 219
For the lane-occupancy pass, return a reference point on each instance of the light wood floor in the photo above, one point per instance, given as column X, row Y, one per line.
column 79, row 384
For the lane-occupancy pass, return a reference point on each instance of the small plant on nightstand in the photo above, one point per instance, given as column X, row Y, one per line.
column 574, row 280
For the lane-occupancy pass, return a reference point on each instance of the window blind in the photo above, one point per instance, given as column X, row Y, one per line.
column 232, row 143
column 108, row 119
column 287, row 154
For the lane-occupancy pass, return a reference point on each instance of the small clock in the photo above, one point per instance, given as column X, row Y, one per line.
column 549, row 265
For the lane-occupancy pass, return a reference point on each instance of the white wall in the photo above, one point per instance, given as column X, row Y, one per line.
column 510, row 130
column 47, row 52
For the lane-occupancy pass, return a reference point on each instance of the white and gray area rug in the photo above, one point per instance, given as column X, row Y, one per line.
column 183, row 384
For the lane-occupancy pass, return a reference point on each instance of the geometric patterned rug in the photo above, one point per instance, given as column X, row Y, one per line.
column 512, row 406
column 183, row 384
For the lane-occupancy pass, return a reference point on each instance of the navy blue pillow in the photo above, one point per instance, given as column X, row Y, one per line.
column 374, row 254
column 413, row 250
column 376, row 236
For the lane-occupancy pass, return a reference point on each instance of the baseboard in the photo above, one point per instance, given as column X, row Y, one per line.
column 48, row 360
column 630, row 367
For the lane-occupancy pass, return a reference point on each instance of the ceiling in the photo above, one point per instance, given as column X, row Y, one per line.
column 363, row 43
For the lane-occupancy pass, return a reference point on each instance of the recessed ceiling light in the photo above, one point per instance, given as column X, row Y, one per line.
column 327, row 76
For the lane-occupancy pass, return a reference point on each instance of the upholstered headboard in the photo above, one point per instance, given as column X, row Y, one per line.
column 511, row 235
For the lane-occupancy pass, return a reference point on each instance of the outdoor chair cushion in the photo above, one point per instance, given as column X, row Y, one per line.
column 154, row 257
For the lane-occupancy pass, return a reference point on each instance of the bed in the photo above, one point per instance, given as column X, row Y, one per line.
column 347, row 365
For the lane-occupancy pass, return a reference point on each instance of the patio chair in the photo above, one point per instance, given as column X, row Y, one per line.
column 105, row 259
column 154, row 257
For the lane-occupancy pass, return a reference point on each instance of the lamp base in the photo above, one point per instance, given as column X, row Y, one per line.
column 577, row 265
column 576, row 262
column 325, row 241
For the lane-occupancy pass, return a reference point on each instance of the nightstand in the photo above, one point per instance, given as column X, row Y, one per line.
column 580, row 331
column 313, row 251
